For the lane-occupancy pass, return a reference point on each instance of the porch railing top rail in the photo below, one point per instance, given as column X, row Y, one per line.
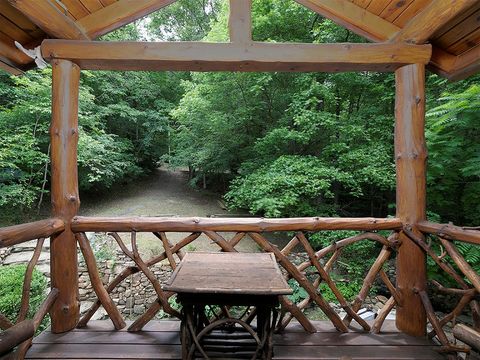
column 13, row 235
column 189, row 224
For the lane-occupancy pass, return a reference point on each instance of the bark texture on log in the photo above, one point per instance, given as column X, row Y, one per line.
column 467, row 335
column 13, row 235
column 449, row 231
column 410, row 157
column 64, row 189
column 198, row 224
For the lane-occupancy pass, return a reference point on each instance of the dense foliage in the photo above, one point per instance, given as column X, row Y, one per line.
column 11, row 282
column 280, row 144
column 274, row 144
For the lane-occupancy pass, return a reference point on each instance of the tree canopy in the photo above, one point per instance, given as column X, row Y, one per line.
column 282, row 144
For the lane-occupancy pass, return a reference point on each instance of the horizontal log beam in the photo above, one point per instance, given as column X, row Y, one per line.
column 450, row 232
column 196, row 224
column 17, row 234
column 255, row 56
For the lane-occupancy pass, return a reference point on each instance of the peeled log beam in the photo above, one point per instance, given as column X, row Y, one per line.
column 174, row 224
column 467, row 335
column 17, row 234
column 449, row 231
column 254, row 56
column 15, row 335
column 240, row 21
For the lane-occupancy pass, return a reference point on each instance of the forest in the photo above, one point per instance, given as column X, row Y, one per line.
column 273, row 144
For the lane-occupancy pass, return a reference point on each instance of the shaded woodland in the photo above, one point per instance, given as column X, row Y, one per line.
column 274, row 144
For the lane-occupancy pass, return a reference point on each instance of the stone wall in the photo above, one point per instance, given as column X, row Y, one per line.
column 132, row 296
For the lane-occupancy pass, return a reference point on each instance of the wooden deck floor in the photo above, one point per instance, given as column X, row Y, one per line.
column 160, row 340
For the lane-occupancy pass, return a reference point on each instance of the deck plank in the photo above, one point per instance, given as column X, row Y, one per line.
column 161, row 341
column 172, row 338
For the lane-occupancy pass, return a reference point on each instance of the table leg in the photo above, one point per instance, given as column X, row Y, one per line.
column 264, row 331
column 271, row 331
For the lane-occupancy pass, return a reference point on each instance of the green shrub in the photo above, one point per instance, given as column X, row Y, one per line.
column 356, row 259
column 299, row 293
column 11, row 283
column 348, row 289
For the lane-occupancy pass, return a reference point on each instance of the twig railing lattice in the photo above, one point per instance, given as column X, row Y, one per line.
column 440, row 247
column 19, row 334
column 242, row 229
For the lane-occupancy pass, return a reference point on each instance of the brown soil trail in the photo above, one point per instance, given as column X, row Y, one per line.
column 164, row 193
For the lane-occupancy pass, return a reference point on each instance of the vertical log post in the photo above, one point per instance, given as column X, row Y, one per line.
column 240, row 21
column 65, row 198
column 410, row 157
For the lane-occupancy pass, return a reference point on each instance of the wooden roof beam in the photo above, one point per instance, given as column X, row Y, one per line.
column 13, row 54
column 50, row 19
column 254, row 56
column 421, row 27
column 9, row 67
column 466, row 65
column 353, row 17
column 118, row 14
column 240, row 21
column 377, row 29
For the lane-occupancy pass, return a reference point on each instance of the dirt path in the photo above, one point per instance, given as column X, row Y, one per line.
column 164, row 193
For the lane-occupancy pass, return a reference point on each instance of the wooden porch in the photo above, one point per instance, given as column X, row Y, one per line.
column 161, row 340
column 408, row 237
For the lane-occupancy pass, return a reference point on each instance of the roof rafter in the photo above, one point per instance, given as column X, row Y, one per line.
column 372, row 27
column 422, row 26
column 50, row 19
column 6, row 65
column 13, row 54
column 353, row 17
column 466, row 64
column 118, row 14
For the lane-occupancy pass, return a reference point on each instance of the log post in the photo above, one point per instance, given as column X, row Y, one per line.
column 410, row 158
column 64, row 187
column 240, row 21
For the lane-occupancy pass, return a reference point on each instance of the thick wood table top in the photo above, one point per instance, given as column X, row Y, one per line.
column 228, row 273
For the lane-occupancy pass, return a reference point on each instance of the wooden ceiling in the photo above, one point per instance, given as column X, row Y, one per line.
column 451, row 26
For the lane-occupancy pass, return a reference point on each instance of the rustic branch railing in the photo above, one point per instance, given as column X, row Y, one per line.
column 309, row 275
column 441, row 237
column 14, row 235
column 19, row 333
column 244, row 228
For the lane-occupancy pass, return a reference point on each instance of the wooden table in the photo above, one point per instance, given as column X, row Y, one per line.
column 251, row 280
